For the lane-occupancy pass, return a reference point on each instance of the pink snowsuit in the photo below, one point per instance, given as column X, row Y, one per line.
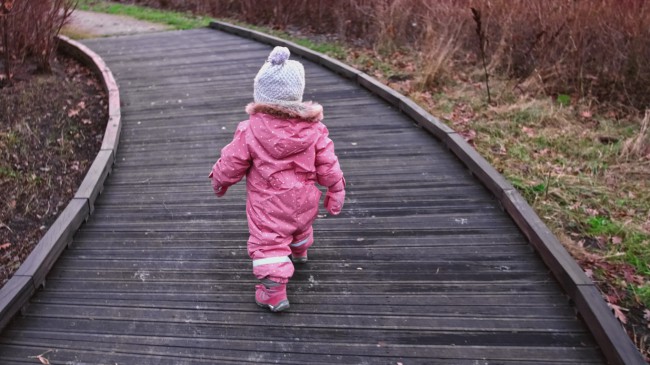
column 282, row 159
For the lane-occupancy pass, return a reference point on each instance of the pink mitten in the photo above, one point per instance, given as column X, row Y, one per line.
column 335, row 197
column 219, row 190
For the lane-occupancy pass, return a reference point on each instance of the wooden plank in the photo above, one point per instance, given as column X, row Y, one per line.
column 14, row 294
column 93, row 182
column 565, row 269
column 389, row 95
column 57, row 237
column 217, row 348
column 482, row 169
column 425, row 120
column 331, row 288
column 207, row 300
column 302, row 319
column 150, row 356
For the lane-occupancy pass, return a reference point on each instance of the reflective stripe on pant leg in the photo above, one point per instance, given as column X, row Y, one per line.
column 276, row 268
column 298, row 244
column 302, row 244
column 271, row 260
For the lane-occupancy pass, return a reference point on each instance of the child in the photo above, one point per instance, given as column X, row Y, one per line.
column 283, row 149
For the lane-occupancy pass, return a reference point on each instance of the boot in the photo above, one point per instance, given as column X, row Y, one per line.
column 299, row 258
column 271, row 295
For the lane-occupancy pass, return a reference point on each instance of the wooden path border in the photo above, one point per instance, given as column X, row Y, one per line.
column 609, row 334
column 15, row 294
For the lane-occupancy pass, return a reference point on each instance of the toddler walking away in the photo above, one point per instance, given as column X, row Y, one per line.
column 283, row 149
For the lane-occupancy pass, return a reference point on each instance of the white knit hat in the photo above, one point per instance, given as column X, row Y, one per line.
column 280, row 80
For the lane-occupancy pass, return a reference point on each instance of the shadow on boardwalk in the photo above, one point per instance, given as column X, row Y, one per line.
column 421, row 267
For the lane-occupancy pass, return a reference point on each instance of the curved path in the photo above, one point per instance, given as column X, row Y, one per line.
column 422, row 267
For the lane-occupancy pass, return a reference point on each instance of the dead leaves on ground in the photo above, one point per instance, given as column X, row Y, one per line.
column 461, row 119
column 618, row 312
column 614, row 279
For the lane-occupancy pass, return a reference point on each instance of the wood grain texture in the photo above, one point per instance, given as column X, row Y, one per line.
column 423, row 266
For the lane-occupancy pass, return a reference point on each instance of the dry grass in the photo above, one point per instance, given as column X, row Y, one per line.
column 638, row 146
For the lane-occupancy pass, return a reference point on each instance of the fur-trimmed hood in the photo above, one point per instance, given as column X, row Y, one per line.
column 283, row 131
column 308, row 111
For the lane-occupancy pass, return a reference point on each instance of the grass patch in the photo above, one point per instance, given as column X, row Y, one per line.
column 174, row 19
column 643, row 294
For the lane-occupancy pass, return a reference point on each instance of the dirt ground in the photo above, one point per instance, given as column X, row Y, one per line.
column 86, row 24
column 51, row 128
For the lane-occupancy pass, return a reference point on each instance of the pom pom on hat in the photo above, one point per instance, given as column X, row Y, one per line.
column 280, row 80
column 279, row 55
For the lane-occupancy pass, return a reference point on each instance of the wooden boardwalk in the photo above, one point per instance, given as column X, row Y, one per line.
column 422, row 267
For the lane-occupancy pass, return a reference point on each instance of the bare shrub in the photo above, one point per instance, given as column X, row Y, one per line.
column 439, row 47
column 29, row 30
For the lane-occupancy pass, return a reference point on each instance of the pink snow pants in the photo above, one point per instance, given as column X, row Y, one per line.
column 280, row 223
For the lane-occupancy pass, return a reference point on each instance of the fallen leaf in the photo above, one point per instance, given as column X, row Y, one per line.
column 529, row 131
column 618, row 312
column 589, row 273
column 469, row 136
column 81, row 105
column 42, row 358
column 617, row 240
column 73, row 113
column 611, row 299
column 631, row 277
column 586, row 114
column 86, row 121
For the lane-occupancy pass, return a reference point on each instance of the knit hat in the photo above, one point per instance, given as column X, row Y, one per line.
column 280, row 80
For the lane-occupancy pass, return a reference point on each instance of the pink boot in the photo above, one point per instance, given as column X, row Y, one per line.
column 299, row 258
column 272, row 295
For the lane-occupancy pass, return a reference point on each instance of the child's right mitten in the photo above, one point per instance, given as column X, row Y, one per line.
column 219, row 190
column 335, row 197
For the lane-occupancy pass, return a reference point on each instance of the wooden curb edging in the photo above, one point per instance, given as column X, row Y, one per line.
column 15, row 294
column 608, row 332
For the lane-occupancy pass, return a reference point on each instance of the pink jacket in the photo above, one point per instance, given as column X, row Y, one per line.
column 282, row 152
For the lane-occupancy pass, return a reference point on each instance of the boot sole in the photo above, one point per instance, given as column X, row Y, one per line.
column 282, row 306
